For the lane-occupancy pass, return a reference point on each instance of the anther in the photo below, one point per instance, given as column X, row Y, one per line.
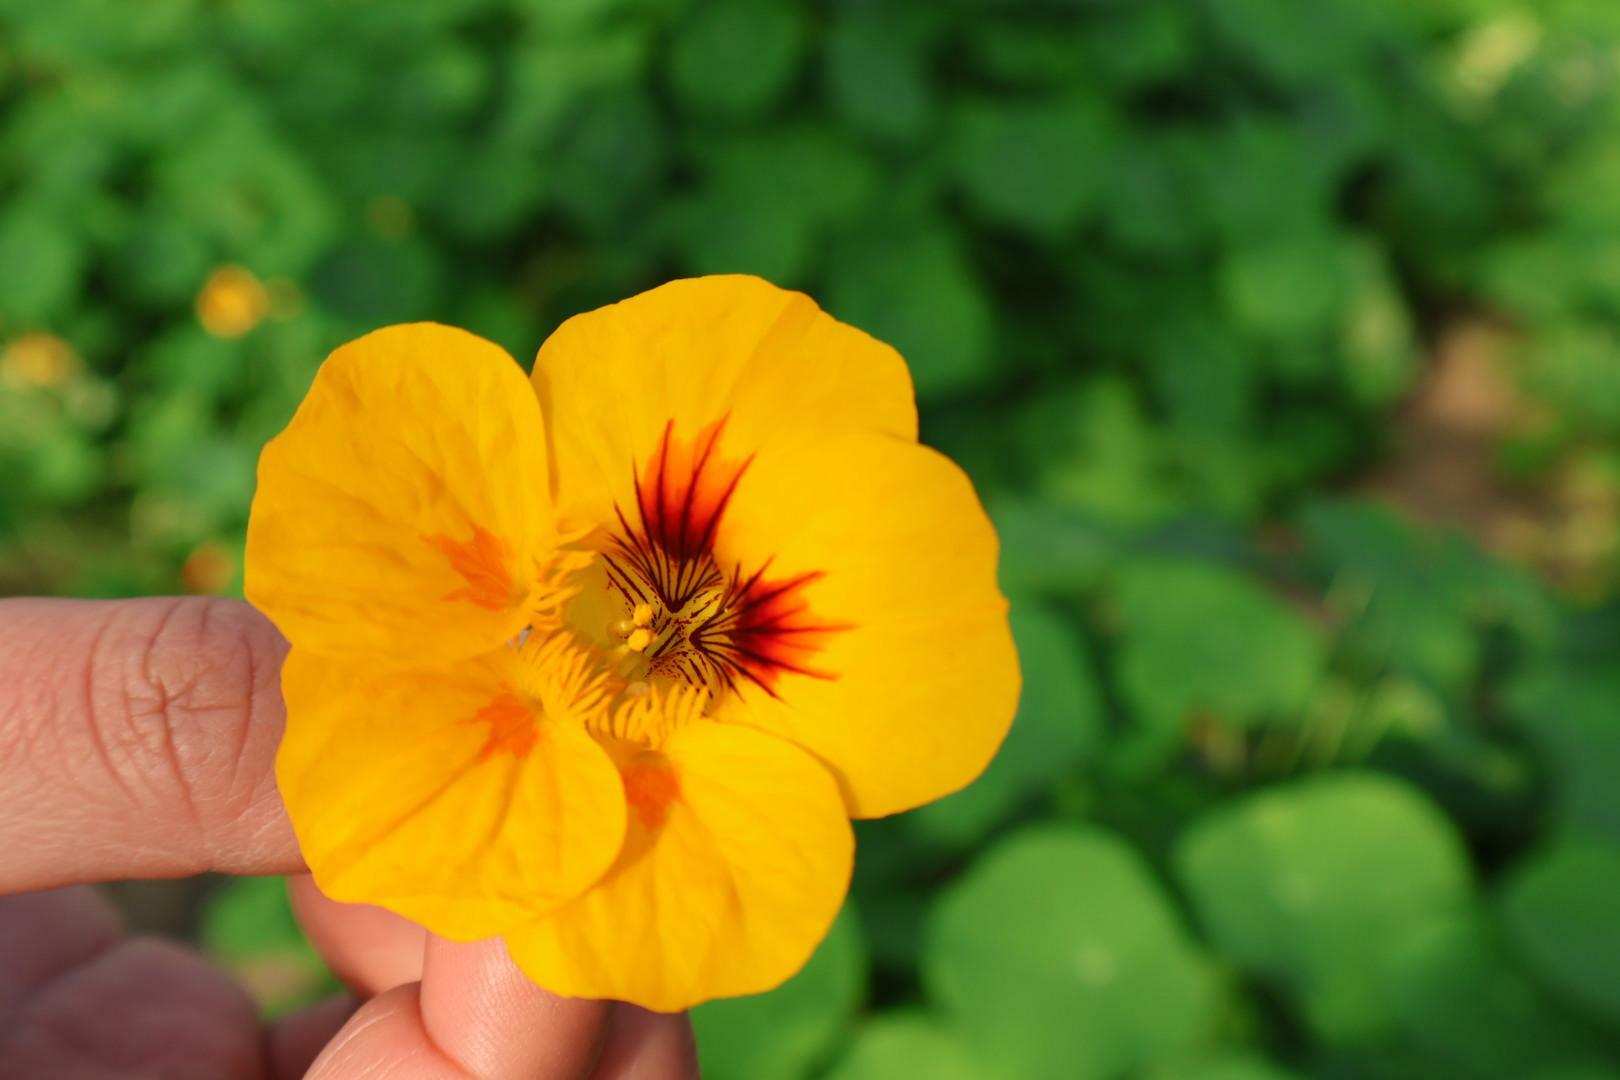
column 643, row 614
column 639, row 640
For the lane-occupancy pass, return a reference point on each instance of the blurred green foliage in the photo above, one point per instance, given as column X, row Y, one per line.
column 1299, row 786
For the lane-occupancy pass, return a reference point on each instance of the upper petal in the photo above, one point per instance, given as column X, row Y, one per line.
column 691, row 353
column 444, row 795
column 736, row 859
column 896, row 667
column 400, row 512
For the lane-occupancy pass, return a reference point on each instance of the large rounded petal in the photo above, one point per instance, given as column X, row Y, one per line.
column 767, row 362
column 442, row 795
column 896, row 664
column 400, row 512
column 736, row 860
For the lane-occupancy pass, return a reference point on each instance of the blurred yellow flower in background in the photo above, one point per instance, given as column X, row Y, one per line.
column 604, row 663
column 38, row 359
column 232, row 302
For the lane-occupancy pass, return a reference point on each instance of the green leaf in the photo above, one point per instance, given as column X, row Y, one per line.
column 1284, row 40
column 765, row 200
column 1047, row 549
column 1407, row 595
column 1379, row 340
column 1151, row 204
column 1261, row 183
column 1316, row 886
column 1467, row 1009
column 1039, row 165
column 1058, row 946
column 1095, row 450
column 1225, row 1068
column 877, row 73
column 735, row 57
column 1572, row 716
column 1561, row 909
column 901, row 1044
column 780, row 1035
column 1135, row 45
column 40, row 267
column 248, row 926
column 1059, row 724
column 1286, row 289
column 619, row 135
column 1198, row 640
column 918, row 293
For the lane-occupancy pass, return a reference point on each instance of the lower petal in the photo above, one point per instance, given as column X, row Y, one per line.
column 736, row 859
column 441, row 795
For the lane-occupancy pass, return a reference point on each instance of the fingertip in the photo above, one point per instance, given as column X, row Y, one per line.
column 643, row 1045
column 473, row 1014
column 370, row 949
column 43, row 934
column 295, row 1041
column 488, row 1016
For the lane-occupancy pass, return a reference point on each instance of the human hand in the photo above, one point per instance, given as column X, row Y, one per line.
column 137, row 740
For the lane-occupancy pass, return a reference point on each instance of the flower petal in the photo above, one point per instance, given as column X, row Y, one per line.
column 908, row 695
column 695, row 352
column 399, row 513
column 442, row 796
column 736, row 860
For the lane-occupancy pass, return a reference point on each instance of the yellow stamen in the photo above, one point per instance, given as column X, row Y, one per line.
column 639, row 640
column 650, row 717
column 643, row 614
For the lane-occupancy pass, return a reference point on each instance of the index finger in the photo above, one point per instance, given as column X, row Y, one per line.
column 138, row 739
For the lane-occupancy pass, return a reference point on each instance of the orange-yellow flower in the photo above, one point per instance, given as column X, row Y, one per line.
column 37, row 359
column 605, row 664
column 232, row 302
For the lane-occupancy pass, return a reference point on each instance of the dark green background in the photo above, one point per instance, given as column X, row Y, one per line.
column 1280, row 337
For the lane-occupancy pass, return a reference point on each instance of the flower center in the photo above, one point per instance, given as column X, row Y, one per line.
column 669, row 611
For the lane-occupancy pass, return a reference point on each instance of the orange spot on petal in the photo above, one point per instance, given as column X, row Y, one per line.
column 512, row 727
column 650, row 786
column 482, row 561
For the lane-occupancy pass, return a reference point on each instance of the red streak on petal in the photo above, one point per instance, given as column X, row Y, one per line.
column 650, row 787
column 681, row 497
column 512, row 727
column 482, row 562
column 760, row 628
column 771, row 630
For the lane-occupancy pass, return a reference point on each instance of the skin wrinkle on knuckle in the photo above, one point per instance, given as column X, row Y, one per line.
column 173, row 696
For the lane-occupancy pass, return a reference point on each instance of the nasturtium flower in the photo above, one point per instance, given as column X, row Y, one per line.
column 603, row 662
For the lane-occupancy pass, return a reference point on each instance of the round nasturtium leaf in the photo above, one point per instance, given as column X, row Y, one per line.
column 1286, row 289
column 1316, row 886
column 1224, row 1067
column 1059, row 946
column 1467, row 1007
column 1178, row 657
column 1563, row 912
column 40, row 267
column 877, row 72
column 1570, row 715
column 918, row 292
column 783, row 1033
column 1040, row 165
column 734, row 57
column 907, row 1044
